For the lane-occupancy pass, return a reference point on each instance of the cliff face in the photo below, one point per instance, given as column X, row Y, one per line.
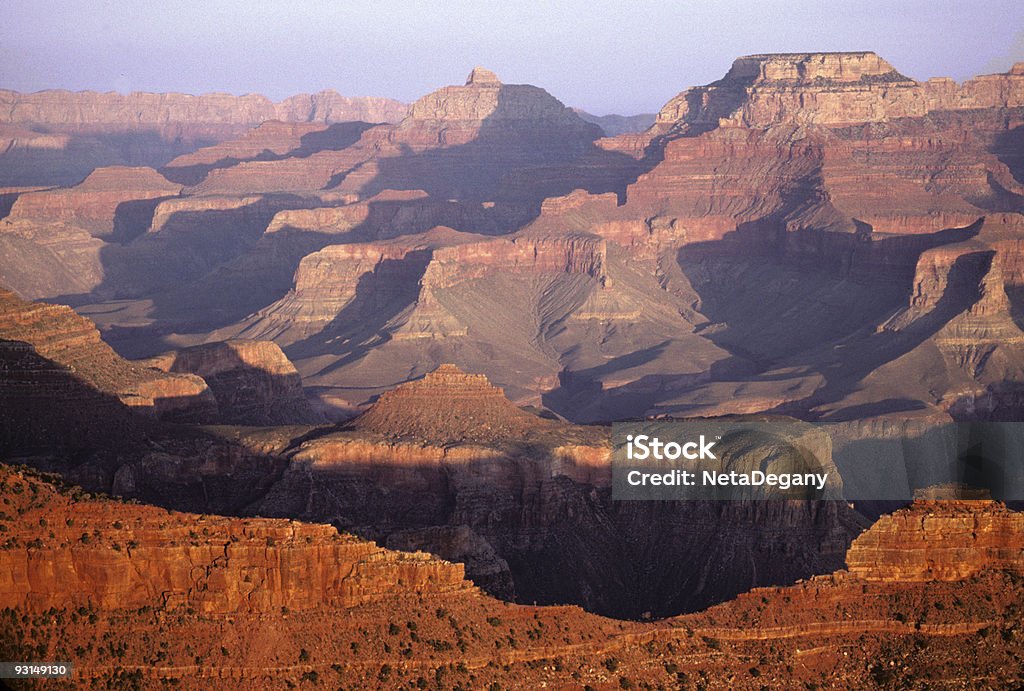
column 940, row 540
column 111, row 202
column 212, row 602
column 59, row 376
column 253, row 381
column 72, row 344
column 66, row 554
column 401, row 284
column 830, row 89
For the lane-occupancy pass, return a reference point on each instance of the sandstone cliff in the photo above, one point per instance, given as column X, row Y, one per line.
column 65, row 553
column 211, row 602
column 831, row 89
column 73, row 345
column 940, row 539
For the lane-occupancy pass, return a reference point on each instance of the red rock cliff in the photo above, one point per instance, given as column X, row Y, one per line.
column 940, row 540
column 60, row 552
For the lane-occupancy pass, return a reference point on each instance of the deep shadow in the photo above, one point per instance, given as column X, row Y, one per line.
column 133, row 218
column 875, row 349
column 334, row 137
column 186, row 246
column 815, row 261
column 246, row 392
column 57, row 421
column 511, row 160
column 87, row 151
column 46, row 408
column 1009, row 148
column 380, row 295
column 577, row 390
column 564, row 539
column 7, row 203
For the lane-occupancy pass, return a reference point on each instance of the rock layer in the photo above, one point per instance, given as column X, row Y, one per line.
column 830, row 88
column 209, row 602
column 112, row 556
column 73, row 345
column 90, row 110
column 112, row 202
column 940, row 540
column 253, row 381
column 449, row 405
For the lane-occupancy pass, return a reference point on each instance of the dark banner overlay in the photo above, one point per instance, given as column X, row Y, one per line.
column 763, row 459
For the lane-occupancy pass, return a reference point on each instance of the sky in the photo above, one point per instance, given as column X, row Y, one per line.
column 604, row 57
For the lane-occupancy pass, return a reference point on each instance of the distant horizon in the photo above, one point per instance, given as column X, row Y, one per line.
column 569, row 105
column 600, row 57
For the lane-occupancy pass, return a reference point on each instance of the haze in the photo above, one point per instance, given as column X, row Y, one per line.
column 601, row 56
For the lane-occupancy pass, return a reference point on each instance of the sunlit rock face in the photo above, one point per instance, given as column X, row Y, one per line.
column 831, row 89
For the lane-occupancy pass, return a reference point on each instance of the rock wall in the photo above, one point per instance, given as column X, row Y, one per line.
column 92, row 111
column 65, row 553
column 830, row 89
column 72, row 343
column 253, row 382
column 112, row 203
column 940, row 540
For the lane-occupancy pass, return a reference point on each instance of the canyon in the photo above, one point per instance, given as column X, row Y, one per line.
column 323, row 390
column 261, row 602
column 794, row 219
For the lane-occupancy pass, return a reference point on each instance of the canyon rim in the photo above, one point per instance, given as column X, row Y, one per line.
column 322, row 390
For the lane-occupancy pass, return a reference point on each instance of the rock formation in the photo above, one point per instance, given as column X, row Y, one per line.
column 824, row 180
column 253, row 381
column 940, row 539
column 830, row 88
column 813, row 235
column 113, row 202
column 449, row 405
column 110, row 556
column 92, row 111
column 72, row 344
column 486, row 108
column 60, row 136
column 168, row 597
column 446, row 464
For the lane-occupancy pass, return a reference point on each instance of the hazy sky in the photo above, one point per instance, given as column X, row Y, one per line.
column 601, row 56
